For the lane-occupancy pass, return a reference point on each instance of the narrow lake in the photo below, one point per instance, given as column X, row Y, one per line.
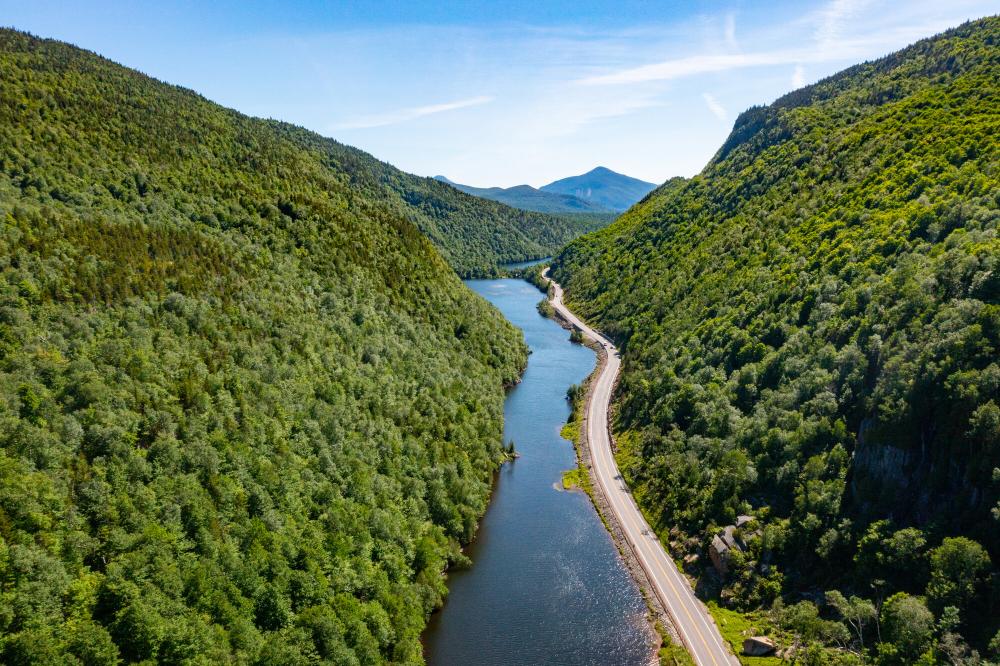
column 546, row 585
column 520, row 264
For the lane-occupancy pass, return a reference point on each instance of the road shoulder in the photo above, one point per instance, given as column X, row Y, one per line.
column 659, row 619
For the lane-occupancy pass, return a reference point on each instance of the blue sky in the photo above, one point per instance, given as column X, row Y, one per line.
column 499, row 93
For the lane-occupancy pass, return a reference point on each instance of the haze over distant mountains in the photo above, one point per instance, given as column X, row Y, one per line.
column 527, row 197
column 604, row 187
column 600, row 190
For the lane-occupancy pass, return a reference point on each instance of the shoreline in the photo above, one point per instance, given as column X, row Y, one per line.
column 642, row 619
column 658, row 618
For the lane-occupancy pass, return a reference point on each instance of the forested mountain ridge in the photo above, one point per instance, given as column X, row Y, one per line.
column 474, row 234
column 810, row 332
column 247, row 411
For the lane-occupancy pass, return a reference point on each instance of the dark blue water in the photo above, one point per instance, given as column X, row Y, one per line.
column 546, row 585
column 523, row 264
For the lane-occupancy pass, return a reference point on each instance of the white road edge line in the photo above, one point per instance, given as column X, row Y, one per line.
column 710, row 647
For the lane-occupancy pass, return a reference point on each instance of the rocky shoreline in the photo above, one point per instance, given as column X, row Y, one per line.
column 657, row 613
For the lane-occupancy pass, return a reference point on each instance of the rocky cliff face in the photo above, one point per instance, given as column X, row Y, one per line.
column 919, row 484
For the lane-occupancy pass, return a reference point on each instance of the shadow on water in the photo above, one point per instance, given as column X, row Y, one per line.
column 546, row 585
column 524, row 264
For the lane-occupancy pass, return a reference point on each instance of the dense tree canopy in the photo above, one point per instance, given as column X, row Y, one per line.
column 247, row 411
column 811, row 330
column 475, row 235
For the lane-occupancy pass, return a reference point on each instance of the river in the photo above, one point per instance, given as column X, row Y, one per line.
column 547, row 585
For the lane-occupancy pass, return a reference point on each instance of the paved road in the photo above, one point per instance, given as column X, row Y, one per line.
column 696, row 628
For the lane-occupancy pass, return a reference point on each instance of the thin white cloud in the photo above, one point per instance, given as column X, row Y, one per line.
column 833, row 17
column 569, row 110
column 572, row 120
column 842, row 50
column 836, row 38
column 730, row 30
column 690, row 66
column 714, row 106
column 798, row 76
column 403, row 115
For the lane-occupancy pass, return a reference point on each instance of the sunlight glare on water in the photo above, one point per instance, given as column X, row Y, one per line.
column 546, row 585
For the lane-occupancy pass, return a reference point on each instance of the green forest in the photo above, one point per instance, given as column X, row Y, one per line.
column 248, row 413
column 811, row 336
column 475, row 235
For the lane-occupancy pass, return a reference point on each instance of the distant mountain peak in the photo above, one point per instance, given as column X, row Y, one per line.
column 603, row 187
column 600, row 190
column 530, row 198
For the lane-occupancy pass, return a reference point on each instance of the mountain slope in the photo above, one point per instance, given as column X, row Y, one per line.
column 602, row 187
column 810, row 331
column 529, row 198
column 247, row 411
column 475, row 235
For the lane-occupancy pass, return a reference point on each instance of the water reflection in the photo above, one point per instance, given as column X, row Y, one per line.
column 546, row 585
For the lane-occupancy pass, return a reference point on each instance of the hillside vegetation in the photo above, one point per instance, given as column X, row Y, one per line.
column 247, row 411
column 474, row 234
column 811, row 334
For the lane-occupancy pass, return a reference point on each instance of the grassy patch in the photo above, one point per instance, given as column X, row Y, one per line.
column 671, row 654
column 545, row 308
column 579, row 476
column 736, row 626
column 574, row 479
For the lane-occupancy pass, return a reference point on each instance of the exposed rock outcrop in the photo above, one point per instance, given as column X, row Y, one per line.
column 758, row 646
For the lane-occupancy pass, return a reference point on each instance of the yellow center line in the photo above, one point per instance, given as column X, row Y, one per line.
column 635, row 525
column 643, row 548
column 687, row 612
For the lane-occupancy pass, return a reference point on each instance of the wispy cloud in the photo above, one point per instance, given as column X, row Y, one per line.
column 843, row 50
column 798, row 76
column 714, row 106
column 570, row 120
column 569, row 110
column 403, row 115
column 730, row 30
column 832, row 20
column 834, row 39
column 690, row 66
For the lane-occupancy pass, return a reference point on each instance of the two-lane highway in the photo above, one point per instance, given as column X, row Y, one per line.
column 691, row 619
